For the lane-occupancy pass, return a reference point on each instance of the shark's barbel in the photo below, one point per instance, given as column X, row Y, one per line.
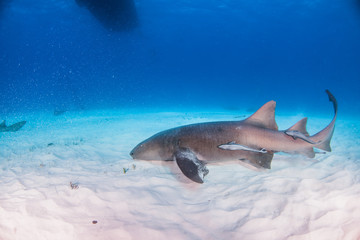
column 253, row 141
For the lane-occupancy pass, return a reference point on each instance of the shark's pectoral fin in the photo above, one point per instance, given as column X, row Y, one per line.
column 190, row 165
column 258, row 160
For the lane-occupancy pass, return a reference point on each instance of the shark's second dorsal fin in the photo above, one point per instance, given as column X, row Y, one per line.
column 300, row 126
column 264, row 116
column 3, row 125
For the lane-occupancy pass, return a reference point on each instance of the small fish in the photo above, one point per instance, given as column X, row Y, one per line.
column 233, row 146
column 74, row 185
column 297, row 134
column 59, row 112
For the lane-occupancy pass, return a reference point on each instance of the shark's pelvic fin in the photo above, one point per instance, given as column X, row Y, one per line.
column 190, row 165
column 259, row 160
column 264, row 117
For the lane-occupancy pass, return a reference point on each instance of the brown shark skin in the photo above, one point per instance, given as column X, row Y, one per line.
column 204, row 139
column 257, row 132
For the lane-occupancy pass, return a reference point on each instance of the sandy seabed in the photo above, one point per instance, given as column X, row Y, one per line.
column 71, row 177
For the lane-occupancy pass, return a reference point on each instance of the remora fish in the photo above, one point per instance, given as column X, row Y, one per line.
column 12, row 128
column 253, row 141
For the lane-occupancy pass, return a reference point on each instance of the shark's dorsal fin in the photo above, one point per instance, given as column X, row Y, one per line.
column 264, row 116
column 300, row 126
column 3, row 125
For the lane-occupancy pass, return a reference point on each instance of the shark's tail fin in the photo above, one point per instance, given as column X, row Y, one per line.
column 323, row 137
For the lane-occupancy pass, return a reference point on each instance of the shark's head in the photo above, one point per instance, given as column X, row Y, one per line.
column 152, row 149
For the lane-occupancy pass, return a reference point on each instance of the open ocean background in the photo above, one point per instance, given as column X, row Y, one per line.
column 171, row 55
column 93, row 78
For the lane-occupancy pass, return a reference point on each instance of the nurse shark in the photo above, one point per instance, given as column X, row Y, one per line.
column 252, row 141
column 12, row 128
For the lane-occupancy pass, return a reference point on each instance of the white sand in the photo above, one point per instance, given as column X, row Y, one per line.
column 298, row 198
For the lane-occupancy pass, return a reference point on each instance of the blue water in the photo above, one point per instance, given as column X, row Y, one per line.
column 64, row 54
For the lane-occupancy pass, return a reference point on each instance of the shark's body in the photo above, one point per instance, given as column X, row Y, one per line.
column 253, row 141
column 12, row 128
